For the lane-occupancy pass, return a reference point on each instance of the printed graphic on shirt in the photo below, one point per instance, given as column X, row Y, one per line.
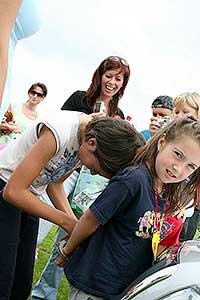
column 57, row 169
column 146, row 224
column 88, row 188
column 166, row 229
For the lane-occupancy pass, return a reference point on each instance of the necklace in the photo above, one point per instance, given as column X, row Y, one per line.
column 157, row 227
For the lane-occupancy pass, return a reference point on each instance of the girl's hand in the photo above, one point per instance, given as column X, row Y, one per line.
column 60, row 261
column 62, row 258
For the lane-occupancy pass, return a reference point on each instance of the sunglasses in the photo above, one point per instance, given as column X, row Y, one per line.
column 33, row 92
column 118, row 59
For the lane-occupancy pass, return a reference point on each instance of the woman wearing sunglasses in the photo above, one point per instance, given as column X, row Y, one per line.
column 19, row 117
column 107, row 87
column 19, row 19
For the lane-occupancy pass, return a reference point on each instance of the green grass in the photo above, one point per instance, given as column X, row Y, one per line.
column 43, row 256
column 197, row 235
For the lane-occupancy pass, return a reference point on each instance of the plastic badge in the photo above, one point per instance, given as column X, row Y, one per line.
column 85, row 198
column 155, row 243
column 88, row 188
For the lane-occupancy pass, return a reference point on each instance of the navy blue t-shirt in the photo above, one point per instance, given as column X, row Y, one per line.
column 120, row 249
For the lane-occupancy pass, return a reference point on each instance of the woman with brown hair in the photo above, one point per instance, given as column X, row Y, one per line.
column 108, row 85
column 18, row 20
column 106, row 89
column 19, row 117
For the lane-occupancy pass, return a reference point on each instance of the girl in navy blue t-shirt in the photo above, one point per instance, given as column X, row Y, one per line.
column 117, row 237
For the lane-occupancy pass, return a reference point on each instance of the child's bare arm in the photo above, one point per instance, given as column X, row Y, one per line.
column 17, row 189
column 84, row 228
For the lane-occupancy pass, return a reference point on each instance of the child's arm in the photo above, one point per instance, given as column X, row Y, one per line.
column 86, row 225
column 59, row 198
column 17, row 189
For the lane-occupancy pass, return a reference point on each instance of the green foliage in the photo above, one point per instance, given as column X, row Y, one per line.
column 43, row 256
column 197, row 235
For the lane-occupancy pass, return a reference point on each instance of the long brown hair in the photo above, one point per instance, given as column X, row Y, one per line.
column 117, row 143
column 178, row 194
column 110, row 63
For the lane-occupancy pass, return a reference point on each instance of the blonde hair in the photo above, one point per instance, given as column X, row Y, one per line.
column 191, row 99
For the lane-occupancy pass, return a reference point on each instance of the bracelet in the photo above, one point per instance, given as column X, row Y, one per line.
column 60, row 245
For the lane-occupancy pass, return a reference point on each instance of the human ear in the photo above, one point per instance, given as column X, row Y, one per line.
column 161, row 142
column 92, row 144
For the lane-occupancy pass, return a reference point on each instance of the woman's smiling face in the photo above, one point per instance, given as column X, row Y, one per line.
column 111, row 82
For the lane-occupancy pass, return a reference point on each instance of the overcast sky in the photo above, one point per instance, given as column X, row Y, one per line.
column 159, row 39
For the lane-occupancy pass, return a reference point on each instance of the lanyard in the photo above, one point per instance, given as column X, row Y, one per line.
column 157, row 228
column 156, row 211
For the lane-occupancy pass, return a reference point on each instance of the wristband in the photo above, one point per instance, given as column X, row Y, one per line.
column 60, row 245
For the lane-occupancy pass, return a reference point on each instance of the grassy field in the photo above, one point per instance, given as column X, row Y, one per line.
column 43, row 255
column 197, row 235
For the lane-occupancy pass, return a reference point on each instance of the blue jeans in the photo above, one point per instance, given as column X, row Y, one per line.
column 18, row 236
column 47, row 285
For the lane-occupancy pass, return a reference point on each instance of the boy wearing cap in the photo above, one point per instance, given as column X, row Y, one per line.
column 162, row 107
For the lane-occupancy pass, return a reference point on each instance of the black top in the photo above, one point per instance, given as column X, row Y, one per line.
column 77, row 102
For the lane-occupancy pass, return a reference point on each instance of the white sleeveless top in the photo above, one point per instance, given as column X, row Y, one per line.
column 65, row 128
